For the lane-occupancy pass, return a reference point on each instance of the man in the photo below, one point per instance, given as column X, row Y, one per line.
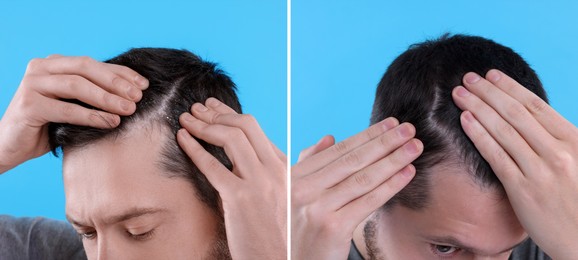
column 137, row 184
column 472, row 172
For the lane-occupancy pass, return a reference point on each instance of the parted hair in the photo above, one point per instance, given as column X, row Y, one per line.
column 177, row 80
column 417, row 88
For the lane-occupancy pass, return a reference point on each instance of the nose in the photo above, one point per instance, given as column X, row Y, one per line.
column 102, row 249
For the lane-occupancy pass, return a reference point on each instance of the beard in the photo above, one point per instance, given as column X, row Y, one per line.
column 220, row 248
column 369, row 235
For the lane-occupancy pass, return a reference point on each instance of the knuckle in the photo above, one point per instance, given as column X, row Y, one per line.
column 562, row 161
column 98, row 118
column 27, row 100
column 34, row 65
column 372, row 199
column 515, row 110
column 362, row 178
column 501, row 156
column 384, row 140
column 351, row 159
column 85, row 61
column 71, row 82
column 236, row 133
column 506, row 130
column 537, row 105
column 398, row 158
column 215, row 118
column 248, row 118
column 213, row 164
column 68, row 110
column 341, row 148
column 104, row 98
column 372, row 132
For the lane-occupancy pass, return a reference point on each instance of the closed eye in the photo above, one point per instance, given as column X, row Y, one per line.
column 142, row 236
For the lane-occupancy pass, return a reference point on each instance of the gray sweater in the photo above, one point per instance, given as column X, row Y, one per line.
column 526, row 251
column 38, row 239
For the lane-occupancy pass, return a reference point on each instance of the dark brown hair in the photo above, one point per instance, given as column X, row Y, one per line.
column 417, row 88
column 177, row 80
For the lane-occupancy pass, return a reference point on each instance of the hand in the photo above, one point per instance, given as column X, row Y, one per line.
column 254, row 194
column 334, row 189
column 534, row 152
column 38, row 101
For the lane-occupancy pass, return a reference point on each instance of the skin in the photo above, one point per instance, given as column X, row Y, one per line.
column 338, row 187
column 257, row 182
column 24, row 126
column 532, row 149
column 480, row 220
column 534, row 152
column 253, row 195
column 125, row 207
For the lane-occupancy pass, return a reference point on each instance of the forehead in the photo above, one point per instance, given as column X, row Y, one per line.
column 462, row 209
column 120, row 173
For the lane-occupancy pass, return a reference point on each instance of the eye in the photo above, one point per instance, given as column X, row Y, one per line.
column 142, row 236
column 444, row 250
column 89, row 235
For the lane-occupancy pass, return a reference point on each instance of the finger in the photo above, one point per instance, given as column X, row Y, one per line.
column 551, row 120
column 57, row 111
column 361, row 157
column 51, row 56
column 501, row 162
column 246, row 123
column 324, row 143
column 280, row 154
column 233, row 140
column 108, row 77
column 323, row 158
column 356, row 211
column 77, row 87
column 222, row 108
column 512, row 111
column 368, row 178
column 217, row 174
column 219, row 106
column 504, row 133
column 129, row 74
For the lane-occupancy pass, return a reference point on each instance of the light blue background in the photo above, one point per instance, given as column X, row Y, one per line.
column 341, row 50
column 247, row 38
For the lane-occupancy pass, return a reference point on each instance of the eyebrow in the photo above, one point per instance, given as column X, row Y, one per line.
column 129, row 214
column 450, row 240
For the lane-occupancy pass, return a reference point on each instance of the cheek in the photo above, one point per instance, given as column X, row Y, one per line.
column 397, row 239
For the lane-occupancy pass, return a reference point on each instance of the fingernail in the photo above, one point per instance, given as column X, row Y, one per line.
column 134, row 93
column 199, row 107
column 472, row 78
column 411, row 148
column 187, row 117
column 462, row 92
column 141, row 81
column 125, row 105
column 406, row 171
column 404, row 131
column 183, row 132
column 493, row 75
column 468, row 116
column 212, row 102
